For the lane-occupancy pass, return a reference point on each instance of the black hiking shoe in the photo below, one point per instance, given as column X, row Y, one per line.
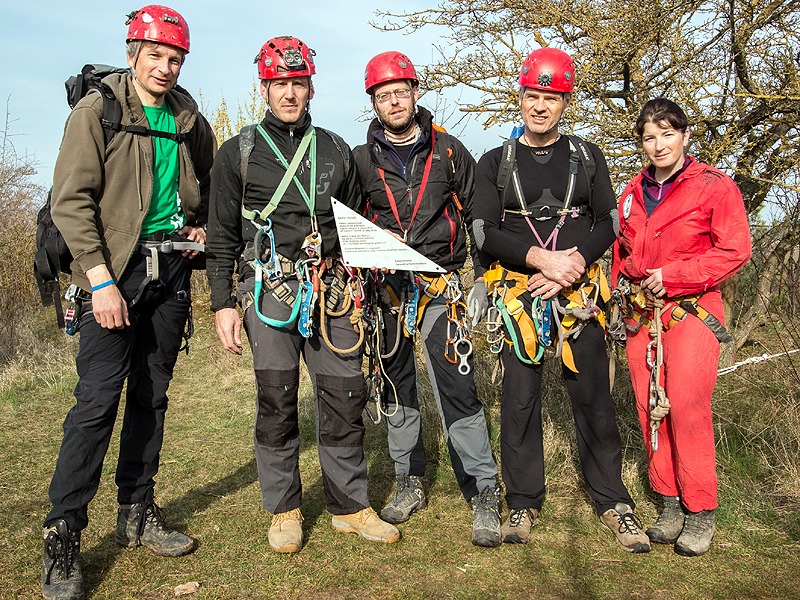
column 669, row 524
column 409, row 496
column 486, row 517
column 61, row 567
column 698, row 531
column 143, row 524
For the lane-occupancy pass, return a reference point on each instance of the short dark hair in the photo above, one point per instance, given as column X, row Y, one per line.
column 661, row 109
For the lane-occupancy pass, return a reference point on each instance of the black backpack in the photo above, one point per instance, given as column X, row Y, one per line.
column 52, row 256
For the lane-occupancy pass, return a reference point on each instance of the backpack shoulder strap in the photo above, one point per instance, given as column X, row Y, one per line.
column 586, row 157
column 247, row 140
column 508, row 162
column 112, row 113
column 340, row 144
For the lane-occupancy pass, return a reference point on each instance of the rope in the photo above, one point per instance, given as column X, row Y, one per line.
column 753, row 360
column 659, row 404
column 355, row 321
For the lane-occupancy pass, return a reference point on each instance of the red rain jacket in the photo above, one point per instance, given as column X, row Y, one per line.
column 698, row 235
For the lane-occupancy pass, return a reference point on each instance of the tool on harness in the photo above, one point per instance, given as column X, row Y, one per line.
column 412, row 301
column 354, row 298
column 72, row 314
column 377, row 297
column 272, row 266
column 552, row 323
column 658, row 402
column 458, row 335
column 310, row 293
column 151, row 248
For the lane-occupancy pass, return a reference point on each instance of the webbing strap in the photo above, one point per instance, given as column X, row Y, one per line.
column 309, row 139
column 426, row 173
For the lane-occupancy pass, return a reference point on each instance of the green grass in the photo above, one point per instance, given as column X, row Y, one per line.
column 208, row 486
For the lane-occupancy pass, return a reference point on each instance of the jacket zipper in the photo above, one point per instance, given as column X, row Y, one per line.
column 452, row 230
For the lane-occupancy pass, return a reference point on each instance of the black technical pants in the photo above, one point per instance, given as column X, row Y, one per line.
column 145, row 354
column 521, row 446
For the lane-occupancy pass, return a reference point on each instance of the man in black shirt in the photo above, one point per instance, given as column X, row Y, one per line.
column 544, row 214
column 270, row 212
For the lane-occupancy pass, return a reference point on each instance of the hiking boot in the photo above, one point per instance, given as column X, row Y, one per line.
column 698, row 531
column 142, row 524
column 61, row 567
column 627, row 528
column 669, row 524
column 486, row 517
column 409, row 495
column 368, row 525
column 518, row 524
column 285, row 534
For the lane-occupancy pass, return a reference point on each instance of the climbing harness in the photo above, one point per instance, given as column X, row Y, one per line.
column 529, row 325
column 628, row 310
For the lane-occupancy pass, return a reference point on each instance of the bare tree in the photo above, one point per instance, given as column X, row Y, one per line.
column 19, row 197
column 731, row 64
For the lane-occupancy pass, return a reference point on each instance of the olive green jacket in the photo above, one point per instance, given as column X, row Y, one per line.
column 101, row 194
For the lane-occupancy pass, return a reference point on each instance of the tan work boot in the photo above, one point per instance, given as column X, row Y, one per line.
column 627, row 528
column 368, row 525
column 517, row 527
column 285, row 533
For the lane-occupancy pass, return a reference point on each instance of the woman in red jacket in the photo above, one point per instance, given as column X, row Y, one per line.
column 683, row 230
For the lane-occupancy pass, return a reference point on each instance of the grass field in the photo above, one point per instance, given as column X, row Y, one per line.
column 208, row 487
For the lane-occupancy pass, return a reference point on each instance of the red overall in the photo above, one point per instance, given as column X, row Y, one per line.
column 699, row 236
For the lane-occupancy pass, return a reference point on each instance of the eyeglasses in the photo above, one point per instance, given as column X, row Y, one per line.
column 399, row 94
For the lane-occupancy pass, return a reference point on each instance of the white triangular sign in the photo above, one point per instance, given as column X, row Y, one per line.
column 364, row 244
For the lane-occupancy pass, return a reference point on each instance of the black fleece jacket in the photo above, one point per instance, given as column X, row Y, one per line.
column 438, row 229
column 228, row 232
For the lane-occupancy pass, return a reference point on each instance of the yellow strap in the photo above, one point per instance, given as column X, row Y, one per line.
column 567, row 357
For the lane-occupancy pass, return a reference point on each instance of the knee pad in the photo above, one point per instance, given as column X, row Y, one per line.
column 276, row 418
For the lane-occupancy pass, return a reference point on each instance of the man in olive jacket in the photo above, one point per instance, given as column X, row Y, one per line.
column 132, row 212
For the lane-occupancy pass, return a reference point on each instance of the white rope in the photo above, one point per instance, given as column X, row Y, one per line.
column 754, row 359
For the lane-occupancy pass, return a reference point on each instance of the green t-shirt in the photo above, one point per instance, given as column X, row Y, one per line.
column 165, row 212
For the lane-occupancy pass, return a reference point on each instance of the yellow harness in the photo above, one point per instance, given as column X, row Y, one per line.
column 505, row 288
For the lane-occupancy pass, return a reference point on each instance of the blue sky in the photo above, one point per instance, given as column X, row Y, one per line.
column 46, row 41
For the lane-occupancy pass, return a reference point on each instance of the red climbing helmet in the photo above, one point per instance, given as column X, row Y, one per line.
column 388, row 66
column 160, row 24
column 285, row 56
column 548, row 69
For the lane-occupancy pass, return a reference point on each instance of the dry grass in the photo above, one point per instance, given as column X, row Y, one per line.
column 208, row 486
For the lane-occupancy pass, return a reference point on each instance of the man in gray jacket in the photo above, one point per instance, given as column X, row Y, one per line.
column 131, row 208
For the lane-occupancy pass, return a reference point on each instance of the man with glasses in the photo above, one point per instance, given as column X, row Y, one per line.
column 418, row 181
